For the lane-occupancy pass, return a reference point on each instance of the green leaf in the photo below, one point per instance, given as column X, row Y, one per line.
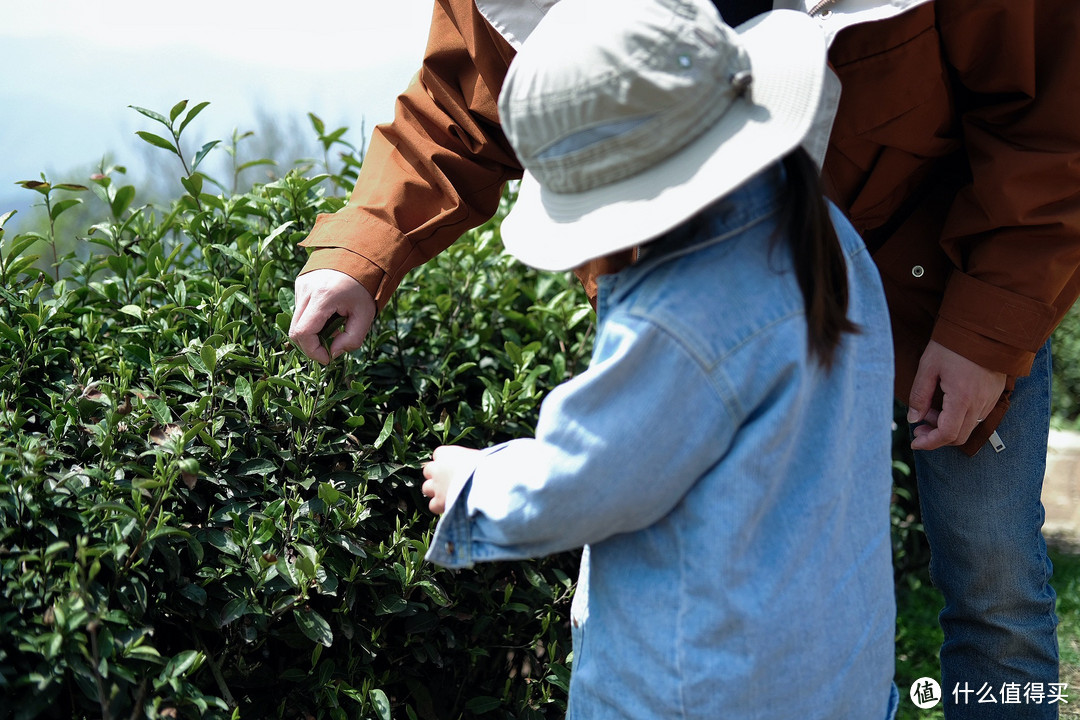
column 244, row 392
column 133, row 310
column 381, row 703
column 192, row 113
column 387, row 428
column 5, row 217
column 233, row 610
column 435, row 592
column 177, row 109
column 257, row 466
column 124, row 197
column 203, row 151
column 193, row 184
column 390, row 605
column 10, row 334
column 150, row 114
column 144, row 652
column 158, row 141
column 311, row 182
column 70, row 186
column 277, row 231
column 58, row 208
column 181, row 663
column 228, row 293
column 160, row 411
column 314, row 626
column 254, row 163
column 317, row 123
column 20, row 243
column 208, row 354
column 482, row 704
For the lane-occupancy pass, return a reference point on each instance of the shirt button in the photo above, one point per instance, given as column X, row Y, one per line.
column 918, row 271
column 449, row 548
column 825, row 14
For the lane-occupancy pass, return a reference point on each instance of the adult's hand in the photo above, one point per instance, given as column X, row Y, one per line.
column 970, row 393
column 320, row 294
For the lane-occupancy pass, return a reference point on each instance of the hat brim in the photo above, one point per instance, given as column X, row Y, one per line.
column 559, row 231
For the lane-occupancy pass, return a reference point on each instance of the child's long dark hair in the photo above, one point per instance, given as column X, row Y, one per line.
column 818, row 258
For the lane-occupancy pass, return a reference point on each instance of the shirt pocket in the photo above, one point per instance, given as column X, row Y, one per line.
column 895, row 119
column 891, row 69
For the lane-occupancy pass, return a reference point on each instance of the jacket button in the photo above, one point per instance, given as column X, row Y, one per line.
column 918, row 271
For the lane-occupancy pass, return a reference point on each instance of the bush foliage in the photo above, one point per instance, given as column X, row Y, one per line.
column 197, row 521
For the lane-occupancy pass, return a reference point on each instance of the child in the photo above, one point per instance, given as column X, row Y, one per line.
column 725, row 460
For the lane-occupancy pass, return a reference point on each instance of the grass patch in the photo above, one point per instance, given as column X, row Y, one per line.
column 918, row 637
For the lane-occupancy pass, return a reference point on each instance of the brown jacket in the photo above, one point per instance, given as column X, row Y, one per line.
column 955, row 152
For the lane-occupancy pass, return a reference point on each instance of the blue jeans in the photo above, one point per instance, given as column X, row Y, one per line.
column 983, row 517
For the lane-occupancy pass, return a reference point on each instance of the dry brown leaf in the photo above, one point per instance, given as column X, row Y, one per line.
column 161, row 434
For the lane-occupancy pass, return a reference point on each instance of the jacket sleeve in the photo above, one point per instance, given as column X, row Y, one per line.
column 433, row 173
column 1014, row 231
column 584, row 478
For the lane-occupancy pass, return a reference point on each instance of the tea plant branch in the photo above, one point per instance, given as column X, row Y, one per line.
column 137, row 707
column 190, row 182
column 46, row 188
column 166, row 489
column 215, row 670
column 103, row 699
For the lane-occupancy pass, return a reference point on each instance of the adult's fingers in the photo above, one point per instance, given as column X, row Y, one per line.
column 319, row 295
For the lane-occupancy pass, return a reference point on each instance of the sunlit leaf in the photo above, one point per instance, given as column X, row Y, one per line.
column 133, row 310
column 234, row 610
column 381, row 703
column 314, row 626
column 150, row 114
column 387, row 428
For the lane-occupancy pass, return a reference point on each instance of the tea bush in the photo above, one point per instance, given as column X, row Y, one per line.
column 197, row 521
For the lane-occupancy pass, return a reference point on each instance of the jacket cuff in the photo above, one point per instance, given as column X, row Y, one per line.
column 451, row 544
column 991, row 326
column 356, row 266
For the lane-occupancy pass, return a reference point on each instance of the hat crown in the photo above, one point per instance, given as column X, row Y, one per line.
column 604, row 89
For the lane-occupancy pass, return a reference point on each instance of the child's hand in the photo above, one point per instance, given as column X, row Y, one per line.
column 447, row 462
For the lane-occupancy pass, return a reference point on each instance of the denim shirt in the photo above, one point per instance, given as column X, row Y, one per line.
column 733, row 496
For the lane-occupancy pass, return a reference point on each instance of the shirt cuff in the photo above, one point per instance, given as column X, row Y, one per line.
column 452, row 544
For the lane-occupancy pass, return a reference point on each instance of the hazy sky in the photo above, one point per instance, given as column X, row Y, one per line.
column 69, row 69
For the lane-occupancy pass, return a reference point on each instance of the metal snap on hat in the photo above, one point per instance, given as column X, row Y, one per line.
column 630, row 116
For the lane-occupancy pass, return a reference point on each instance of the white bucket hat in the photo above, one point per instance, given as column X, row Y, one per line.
column 630, row 116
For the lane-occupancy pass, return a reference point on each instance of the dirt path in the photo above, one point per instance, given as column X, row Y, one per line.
column 1061, row 491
